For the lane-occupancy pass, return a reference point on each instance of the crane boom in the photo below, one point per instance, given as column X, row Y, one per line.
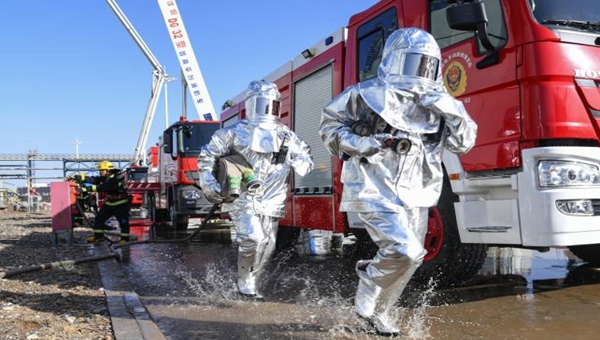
column 159, row 78
column 187, row 59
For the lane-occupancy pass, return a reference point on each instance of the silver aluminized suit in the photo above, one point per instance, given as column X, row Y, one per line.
column 390, row 191
column 255, row 216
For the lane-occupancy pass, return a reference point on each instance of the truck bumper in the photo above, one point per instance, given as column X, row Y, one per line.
column 542, row 224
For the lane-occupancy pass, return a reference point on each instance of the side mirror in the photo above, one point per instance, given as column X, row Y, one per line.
column 466, row 16
column 187, row 131
column 470, row 16
column 167, row 140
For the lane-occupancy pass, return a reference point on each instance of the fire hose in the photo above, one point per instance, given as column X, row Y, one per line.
column 112, row 248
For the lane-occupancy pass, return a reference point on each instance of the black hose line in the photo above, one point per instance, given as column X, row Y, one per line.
column 112, row 248
column 59, row 264
column 176, row 240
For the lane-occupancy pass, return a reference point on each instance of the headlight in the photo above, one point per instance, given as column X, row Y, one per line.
column 565, row 173
column 191, row 194
column 576, row 207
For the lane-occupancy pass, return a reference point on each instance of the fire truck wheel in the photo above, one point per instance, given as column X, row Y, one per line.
column 590, row 253
column 179, row 222
column 364, row 244
column 286, row 238
column 151, row 204
column 448, row 262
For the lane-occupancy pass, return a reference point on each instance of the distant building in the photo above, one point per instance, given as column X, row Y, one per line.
column 8, row 198
column 39, row 190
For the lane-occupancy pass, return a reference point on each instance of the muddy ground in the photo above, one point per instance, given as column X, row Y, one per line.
column 62, row 303
column 189, row 290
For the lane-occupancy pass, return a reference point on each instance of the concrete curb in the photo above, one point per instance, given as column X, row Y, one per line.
column 129, row 317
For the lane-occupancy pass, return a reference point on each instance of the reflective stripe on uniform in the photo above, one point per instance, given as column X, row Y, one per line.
column 116, row 202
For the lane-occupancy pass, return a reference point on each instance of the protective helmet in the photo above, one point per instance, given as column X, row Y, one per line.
column 410, row 55
column 262, row 101
column 105, row 165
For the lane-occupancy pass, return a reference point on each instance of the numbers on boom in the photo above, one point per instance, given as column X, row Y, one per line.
column 177, row 34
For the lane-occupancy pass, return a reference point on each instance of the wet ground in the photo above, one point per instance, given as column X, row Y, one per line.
column 189, row 290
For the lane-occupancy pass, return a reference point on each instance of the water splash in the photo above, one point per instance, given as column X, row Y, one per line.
column 416, row 322
column 216, row 287
column 321, row 290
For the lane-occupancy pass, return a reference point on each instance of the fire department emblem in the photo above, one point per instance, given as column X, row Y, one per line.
column 455, row 78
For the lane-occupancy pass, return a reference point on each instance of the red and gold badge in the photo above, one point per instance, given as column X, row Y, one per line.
column 455, row 78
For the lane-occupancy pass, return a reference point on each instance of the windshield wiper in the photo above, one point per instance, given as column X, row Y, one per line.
column 584, row 25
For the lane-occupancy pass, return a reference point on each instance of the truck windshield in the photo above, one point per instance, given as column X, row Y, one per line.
column 137, row 174
column 194, row 136
column 574, row 14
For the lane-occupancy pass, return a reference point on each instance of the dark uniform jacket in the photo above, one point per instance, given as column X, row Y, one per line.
column 114, row 187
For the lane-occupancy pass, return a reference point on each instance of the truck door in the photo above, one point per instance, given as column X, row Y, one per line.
column 485, row 82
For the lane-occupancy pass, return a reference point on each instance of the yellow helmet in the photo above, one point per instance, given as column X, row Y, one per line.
column 105, row 165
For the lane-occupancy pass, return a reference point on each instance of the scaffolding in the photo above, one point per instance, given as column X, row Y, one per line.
column 24, row 167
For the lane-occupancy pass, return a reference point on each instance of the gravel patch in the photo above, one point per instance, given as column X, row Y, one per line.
column 61, row 303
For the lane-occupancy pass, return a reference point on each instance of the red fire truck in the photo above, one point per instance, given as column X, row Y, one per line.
column 169, row 184
column 528, row 71
column 163, row 185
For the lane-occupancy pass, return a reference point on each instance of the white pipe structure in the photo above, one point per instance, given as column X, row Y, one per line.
column 159, row 78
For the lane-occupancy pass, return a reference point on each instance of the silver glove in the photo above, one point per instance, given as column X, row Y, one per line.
column 372, row 145
column 383, row 138
column 212, row 193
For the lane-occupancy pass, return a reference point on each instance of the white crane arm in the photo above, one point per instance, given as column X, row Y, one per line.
column 187, row 59
column 159, row 78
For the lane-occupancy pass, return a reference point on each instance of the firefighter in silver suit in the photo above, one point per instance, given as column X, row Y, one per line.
column 272, row 149
column 391, row 131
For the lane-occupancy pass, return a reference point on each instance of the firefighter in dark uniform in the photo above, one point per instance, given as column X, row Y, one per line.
column 112, row 183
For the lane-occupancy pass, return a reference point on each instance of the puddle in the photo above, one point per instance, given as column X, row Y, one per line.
column 190, row 290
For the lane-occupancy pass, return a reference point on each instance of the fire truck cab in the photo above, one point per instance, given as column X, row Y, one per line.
column 528, row 72
column 178, row 197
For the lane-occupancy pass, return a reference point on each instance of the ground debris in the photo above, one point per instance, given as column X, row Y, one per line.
column 61, row 303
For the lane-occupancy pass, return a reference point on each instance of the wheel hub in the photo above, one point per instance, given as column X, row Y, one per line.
column 435, row 234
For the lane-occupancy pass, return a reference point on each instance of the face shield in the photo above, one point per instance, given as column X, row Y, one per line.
column 262, row 106
column 262, row 102
column 420, row 65
column 410, row 56
column 412, row 65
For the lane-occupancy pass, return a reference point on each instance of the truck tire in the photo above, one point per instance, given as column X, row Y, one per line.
column 286, row 238
column 151, row 204
column 179, row 222
column 448, row 261
column 590, row 253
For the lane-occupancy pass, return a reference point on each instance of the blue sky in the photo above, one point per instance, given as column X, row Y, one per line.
column 71, row 71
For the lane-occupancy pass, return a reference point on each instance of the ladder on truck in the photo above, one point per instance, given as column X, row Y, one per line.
column 189, row 68
column 158, row 81
column 142, row 181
